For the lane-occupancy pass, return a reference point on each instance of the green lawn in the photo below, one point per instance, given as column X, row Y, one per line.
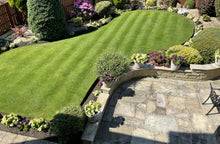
column 38, row 80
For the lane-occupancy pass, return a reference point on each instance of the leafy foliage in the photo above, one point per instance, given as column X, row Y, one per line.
column 77, row 21
column 39, row 124
column 113, row 63
column 151, row 3
column 46, row 19
column 103, row 8
column 206, row 7
column 96, row 93
column 190, row 55
column 23, row 125
column 139, row 58
column 119, row 3
column 213, row 33
column 10, row 120
column 189, row 4
column 206, row 18
column 207, row 48
column 92, row 108
column 19, row 4
column 217, row 9
column 68, row 122
column 171, row 3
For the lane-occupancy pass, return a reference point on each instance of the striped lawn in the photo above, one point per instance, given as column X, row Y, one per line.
column 38, row 80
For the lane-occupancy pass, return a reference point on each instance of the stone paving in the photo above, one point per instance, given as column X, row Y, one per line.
column 10, row 138
column 159, row 111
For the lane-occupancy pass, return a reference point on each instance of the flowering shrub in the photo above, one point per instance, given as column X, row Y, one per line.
column 159, row 58
column 177, row 60
column 106, row 77
column 83, row 9
column 23, row 125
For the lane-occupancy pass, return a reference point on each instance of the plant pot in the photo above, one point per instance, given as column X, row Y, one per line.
column 217, row 61
column 137, row 65
column 108, row 84
column 93, row 119
column 174, row 67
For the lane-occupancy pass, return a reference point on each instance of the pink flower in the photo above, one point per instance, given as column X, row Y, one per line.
column 90, row 14
column 163, row 56
column 149, row 55
column 158, row 56
column 84, row 12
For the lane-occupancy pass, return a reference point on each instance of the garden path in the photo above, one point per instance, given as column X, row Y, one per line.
column 158, row 111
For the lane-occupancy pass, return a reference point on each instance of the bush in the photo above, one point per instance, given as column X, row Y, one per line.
column 207, row 48
column 68, row 123
column 189, row 4
column 77, row 21
column 113, row 63
column 206, row 18
column 103, row 8
column 83, row 9
column 151, row 3
column 119, row 3
column 190, row 54
column 217, row 9
column 206, row 7
column 213, row 33
column 171, row 3
column 158, row 58
column 19, row 4
column 46, row 19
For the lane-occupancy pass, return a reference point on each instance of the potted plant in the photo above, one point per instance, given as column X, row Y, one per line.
column 176, row 62
column 217, row 57
column 91, row 110
column 139, row 59
column 107, row 79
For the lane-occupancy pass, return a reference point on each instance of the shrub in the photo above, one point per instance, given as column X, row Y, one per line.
column 189, row 4
column 103, row 8
column 190, row 54
column 119, row 3
column 206, row 18
column 207, row 48
column 139, row 58
column 77, row 21
column 213, row 33
column 39, row 124
column 10, row 120
column 83, row 9
column 46, row 19
column 217, row 9
column 206, row 7
column 113, row 63
column 19, row 4
column 96, row 93
column 67, row 123
column 151, row 3
column 171, row 3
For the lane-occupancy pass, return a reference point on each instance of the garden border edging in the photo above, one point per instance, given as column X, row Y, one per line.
column 196, row 73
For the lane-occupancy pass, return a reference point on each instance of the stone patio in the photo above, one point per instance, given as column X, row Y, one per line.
column 158, row 111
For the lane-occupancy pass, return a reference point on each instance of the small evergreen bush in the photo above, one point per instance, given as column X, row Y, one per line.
column 19, row 4
column 113, row 63
column 46, row 19
column 151, row 3
column 206, row 7
column 171, row 3
column 190, row 54
column 213, row 33
column 217, row 9
column 207, row 48
column 119, row 3
column 103, row 8
column 189, row 4
column 67, row 123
